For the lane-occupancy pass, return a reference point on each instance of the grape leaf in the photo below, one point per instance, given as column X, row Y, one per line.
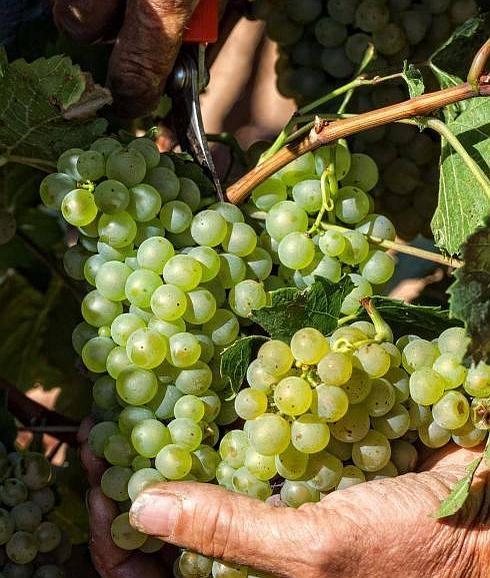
column 403, row 318
column 459, row 493
column 463, row 204
column 291, row 309
column 470, row 293
column 186, row 167
column 413, row 77
column 47, row 106
column 236, row 359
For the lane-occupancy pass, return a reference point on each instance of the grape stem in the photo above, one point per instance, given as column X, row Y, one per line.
column 402, row 248
column 326, row 132
column 477, row 67
column 383, row 330
column 327, row 192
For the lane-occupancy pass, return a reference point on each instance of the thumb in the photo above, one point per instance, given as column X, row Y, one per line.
column 218, row 523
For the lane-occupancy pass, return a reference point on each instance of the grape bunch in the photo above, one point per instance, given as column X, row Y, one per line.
column 30, row 544
column 335, row 185
column 324, row 42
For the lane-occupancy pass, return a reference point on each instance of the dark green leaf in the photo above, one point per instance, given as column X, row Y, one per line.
column 459, row 493
column 291, row 309
column 8, row 226
column 470, row 294
column 413, row 77
column 463, row 204
column 8, row 429
column 403, row 318
column 44, row 108
column 236, row 359
column 186, row 167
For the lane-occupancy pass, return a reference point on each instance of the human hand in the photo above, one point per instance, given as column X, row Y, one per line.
column 149, row 35
column 377, row 529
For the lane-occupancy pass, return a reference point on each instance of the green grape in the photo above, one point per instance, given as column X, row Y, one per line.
column 140, row 286
column 394, row 353
column 335, row 368
column 361, row 290
column 186, row 433
column 111, row 280
column 95, row 353
column 308, row 195
column 259, row 377
column 118, row 230
column 351, row 204
column 418, row 354
column 330, row 32
column 164, row 401
column 276, row 356
column 91, row 165
column 356, row 46
column 99, row 311
column 426, row 386
column 419, row 414
column 356, row 248
column 118, row 450
column 54, row 187
column 304, row 12
column 6, row 526
column 244, row 482
column 67, row 163
column 184, row 349
column 284, row 218
column 124, row 325
column 81, row 334
column 233, row 447
column 201, row 306
column 74, row 260
column 114, row 483
column 149, row 436
column 291, row 463
column 176, row 216
column 342, row 10
column 269, row 434
column 292, row 396
column 347, row 336
column 353, row 426
column 168, row 302
column 212, row 406
column 209, row 260
column 13, row 492
column 404, row 456
column 109, row 253
column 296, row 250
column 433, row 435
column 246, row 297
column 195, row 379
column 269, row 193
column 358, row 386
column 173, row 462
column 99, row 435
column 296, row 493
column 104, row 392
column 207, row 346
column 148, row 230
column 193, row 565
column 22, row 547
column 128, row 167
column 378, row 267
column 342, row 159
column 106, row 145
column 131, row 415
column 167, row 328
column 451, row 411
column 449, row 367
column 190, row 407
column 26, row 516
column 372, row 15
column 136, row 386
column 144, row 203
column 223, row 328
column 330, row 402
column 165, row 181
column 309, row 346
column 373, row 359
column 148, row 149
column 78, row 207
column 297, row 170
column 124, row 535
column 377, row 226
column 467, row 436
column 224, row 475
column 262, row 467
column 183, row 271
column 388, row 471
column 323, row 472
column 232, row 270
column 240, row 239
column 453, row 340
column 332, row 243
column 189, row 193
column 341, row 450
column 477, row 383
column 281, row 29
column 351, row 476
column 399, row 379
column 393, row 424
column 208, row 228
column 309, row 434
column 372, row 452
column 230, row 213
column 250, row 403
column 44, row 498
column 142, row 479
column 117, row 361
column 335, row 62
column 381, row 398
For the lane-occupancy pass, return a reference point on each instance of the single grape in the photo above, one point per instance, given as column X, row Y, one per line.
column 78, row 207
column 296, row 493
column 118, row 451
column 140, row 286
column 250, row 403
column 128, row 167
column 124, row 535
column 351, row 204
column 378, row 267
column 477, row 383
column 351, row 476
column 149, row 436
column 195, row 379
column 189, row 193
column 449, row 367
column 183, row 271
column 372, row 15
column 201, row 306
column 358, row 386
column 356, row 248
column 233, row 447
column 209, row 261
column 55, row 187
column 269, row 434
column 269, row 193
column 451, row 411
column 165, row 181
column 136, row 386
column 173, row 462
column 22, row 547
column 168, row 302
column 130, row 416
column 99, row 435
column 418, row 354
column 433, row 435
column 96, row 352
column 335, row 368
column 373, row 359
column 67, row 163
column 284, row 218
column 193, row 565
column 105, row 146
column 148, row 149
column 184, row 349
column 353, row 426
column 91, row 165
column 309, row 434
column 377, row 226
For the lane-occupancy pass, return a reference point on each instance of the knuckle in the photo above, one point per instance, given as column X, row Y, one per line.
column 216, row 532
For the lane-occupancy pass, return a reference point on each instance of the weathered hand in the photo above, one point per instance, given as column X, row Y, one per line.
column 378, row 529
column 149, row 35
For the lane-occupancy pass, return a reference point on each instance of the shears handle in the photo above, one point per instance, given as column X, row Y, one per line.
column 203, row 25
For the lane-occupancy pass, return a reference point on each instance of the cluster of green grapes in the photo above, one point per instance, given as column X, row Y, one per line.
column 305, row 247
column 30, row 544
column 320, row 42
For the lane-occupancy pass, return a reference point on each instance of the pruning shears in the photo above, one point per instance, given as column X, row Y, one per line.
column 189, row 78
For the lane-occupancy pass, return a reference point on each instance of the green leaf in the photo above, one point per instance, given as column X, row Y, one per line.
column 463, row 205
column 470, row 294
column 235, row 360
column 403, row 318
column 459, row 493
column 186, row 167
column 291, row 309
column 47, row 106
column 8, row 429
column 413, row 77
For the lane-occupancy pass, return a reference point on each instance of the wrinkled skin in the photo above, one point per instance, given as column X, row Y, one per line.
column 374, row 530
column 148, row 38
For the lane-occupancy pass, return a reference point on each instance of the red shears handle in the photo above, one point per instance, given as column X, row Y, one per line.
column 203, row 26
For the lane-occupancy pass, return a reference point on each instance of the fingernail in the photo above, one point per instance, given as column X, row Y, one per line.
column 156, row 513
